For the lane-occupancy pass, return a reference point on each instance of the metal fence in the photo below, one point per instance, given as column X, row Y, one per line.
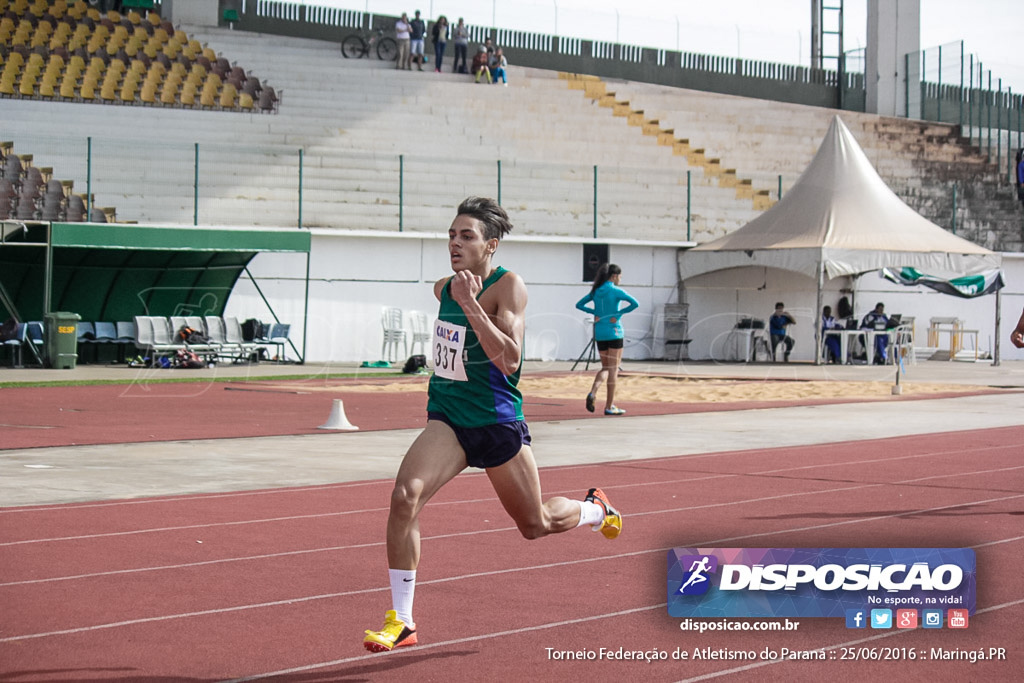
column 214, row 183
column 943, row 84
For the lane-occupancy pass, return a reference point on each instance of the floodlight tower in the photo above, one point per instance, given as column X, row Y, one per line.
column 827, row 34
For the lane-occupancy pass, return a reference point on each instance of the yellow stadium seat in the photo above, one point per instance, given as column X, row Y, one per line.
column 169, row 93
column 129, row 90
column 111, row 80
column 88, row 90
column 148, row 94
column 27, row 86
column 67, row 87
column 227, row 96
column 188, row 93
column 109, row 92
column 48, row 86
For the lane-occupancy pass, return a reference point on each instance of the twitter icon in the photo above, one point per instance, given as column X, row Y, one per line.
column 881, row 618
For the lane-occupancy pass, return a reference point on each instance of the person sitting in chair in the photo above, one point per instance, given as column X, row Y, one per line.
column 777, row 325
column 832, row 345
column 878, row 320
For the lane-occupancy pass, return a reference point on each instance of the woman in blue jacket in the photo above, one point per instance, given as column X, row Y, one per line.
column 606, row 296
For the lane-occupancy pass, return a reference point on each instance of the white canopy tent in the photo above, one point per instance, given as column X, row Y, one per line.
column 839, row 219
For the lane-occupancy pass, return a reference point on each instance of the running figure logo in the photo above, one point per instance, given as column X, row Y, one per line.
column 696, row 580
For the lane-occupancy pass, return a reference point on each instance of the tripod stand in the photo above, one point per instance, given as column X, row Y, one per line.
column 590, row 352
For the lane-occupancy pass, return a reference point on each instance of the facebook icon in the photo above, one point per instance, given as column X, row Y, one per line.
column 856, row 618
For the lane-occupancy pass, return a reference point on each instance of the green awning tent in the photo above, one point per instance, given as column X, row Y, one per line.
column 965, row 286
column 115, row 271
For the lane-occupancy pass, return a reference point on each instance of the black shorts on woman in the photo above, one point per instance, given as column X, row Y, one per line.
column 604, row 345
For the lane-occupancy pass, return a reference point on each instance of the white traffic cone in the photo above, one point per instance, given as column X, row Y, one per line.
column 337, row 419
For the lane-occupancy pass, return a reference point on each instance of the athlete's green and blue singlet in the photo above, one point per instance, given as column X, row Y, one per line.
column 467, row 388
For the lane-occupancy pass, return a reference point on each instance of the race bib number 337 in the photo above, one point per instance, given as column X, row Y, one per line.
column 449, row 344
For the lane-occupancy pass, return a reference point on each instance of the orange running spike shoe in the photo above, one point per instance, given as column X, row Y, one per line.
column 611, row 527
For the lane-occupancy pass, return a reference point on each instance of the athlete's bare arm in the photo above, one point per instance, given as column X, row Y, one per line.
column 498, row 318
column 1017, row 336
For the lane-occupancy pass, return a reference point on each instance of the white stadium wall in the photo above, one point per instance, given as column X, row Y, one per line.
column 353, row 275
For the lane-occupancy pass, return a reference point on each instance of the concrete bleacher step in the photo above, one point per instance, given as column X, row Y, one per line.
column 353, row 119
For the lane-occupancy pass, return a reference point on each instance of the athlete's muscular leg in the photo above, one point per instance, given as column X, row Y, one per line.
column 432, row 461
column 518, row 487
column 610, row 361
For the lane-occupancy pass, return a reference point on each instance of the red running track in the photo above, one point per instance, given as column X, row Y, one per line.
column 40, row 417
column 280, row 584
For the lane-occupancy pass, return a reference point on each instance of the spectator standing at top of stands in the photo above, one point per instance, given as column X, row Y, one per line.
column 461, row 36
column 417, row 32
column 402, row 37
column 440, row 38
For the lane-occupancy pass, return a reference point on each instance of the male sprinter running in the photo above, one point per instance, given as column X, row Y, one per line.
column 474, row 415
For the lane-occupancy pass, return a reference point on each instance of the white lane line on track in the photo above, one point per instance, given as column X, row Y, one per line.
column 492, row 498
column 446, row 643
column 851, row 643
column 376, row 482
column 486, row 531
column 290, row 601
column 541, row 627
column 191, row 498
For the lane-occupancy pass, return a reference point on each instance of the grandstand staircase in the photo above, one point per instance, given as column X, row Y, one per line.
column 920, row 161
column 594, row 89
column 353, row 124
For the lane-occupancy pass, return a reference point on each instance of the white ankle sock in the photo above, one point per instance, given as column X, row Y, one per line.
column 403, row 587
column 590, row 513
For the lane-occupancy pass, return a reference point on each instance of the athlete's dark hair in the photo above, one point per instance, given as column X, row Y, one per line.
column 492, row 217
column 604, row 273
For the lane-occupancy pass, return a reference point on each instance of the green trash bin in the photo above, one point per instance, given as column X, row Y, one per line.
column 62, row 339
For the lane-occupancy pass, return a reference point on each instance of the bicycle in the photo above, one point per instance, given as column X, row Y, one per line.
column 357, row 46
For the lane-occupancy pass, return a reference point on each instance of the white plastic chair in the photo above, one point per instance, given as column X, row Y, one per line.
column 420, row 331
column 394, row 334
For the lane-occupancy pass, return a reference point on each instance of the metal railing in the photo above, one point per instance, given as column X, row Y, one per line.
column 943, row 84
column 727, row 75
column 215, row 183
